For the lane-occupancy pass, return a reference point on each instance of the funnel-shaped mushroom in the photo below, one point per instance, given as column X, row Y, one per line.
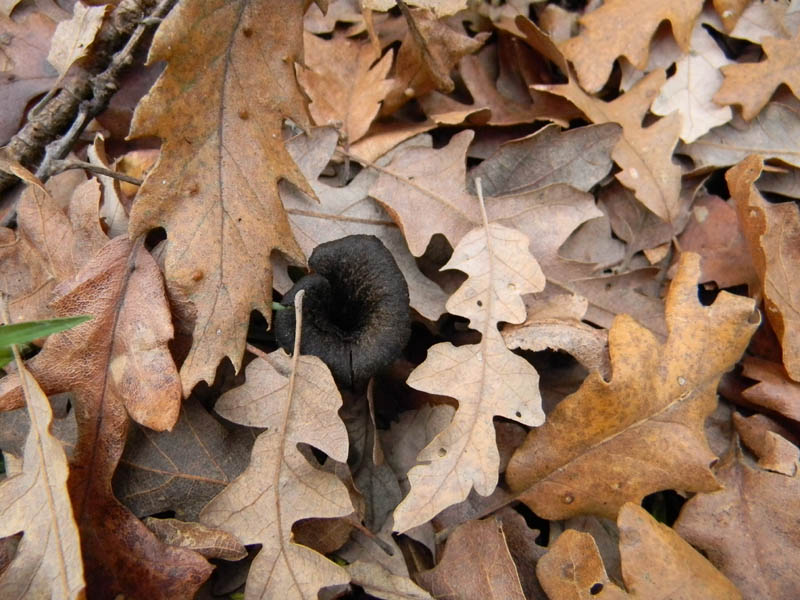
column 355, row 310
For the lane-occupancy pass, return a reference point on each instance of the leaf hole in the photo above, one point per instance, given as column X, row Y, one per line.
column 596, row 589
column 479, row 303
column 518, row 414
column 442, row 452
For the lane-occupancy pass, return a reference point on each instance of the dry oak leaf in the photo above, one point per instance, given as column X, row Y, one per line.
column 475, row 563
column 211, row 543
column 101, row 362
column 73, row 37
column 773, row 235
column 766, row 439
column 486, row 379
column 656, row 565
column 380, row 582
column 774, row 390
column 615, row 442
column 296, row 400
column 442, row 8
column 345, row 81
column 757, row 506
column 751, row 85
column 643, row 153
column 24, row 72
column 219, row 107
column 690, row 89
column 36, row 502
column 625, row 28
column 767, row 18
column 730, row 11
column 343, row 211
column 774, row 133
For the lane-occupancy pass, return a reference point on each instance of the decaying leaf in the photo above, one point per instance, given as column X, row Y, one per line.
column 211, row 543
column 610, row 33
column 614, row 442
column 442, row 8
column 215, row 186
column 36, row 502
column 775, row 391
column 773, row 235
column 476, row 564
column 766, row 439
column 73, row 37
column 486, row 378
column 101, row 363
column 757, row 506
column 656, row 563
column 382, row 583
column 296, row 401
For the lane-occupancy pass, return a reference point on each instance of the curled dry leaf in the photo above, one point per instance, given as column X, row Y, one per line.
column 773, row 235
column 608, row 34
column 763, row 437
column 379, row 582
column 656, row 563
column 614, row 442
column 487, row 379
column 296, row 400
column 754, row 505
column 775, row 391
column 211, row 543
column 215, row 186
column 476, row 563
column 101, row 363
column 36, row 502
column 73, row 37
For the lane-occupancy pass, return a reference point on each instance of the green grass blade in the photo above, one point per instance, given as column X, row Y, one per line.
column 22, row 333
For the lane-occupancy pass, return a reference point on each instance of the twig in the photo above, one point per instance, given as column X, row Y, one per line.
column 58, row 166
column 68, row 110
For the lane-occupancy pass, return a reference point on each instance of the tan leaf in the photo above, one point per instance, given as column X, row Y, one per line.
column 730, row 11
column 339, row 11
column 345, row 83
column 296, row 401
column 476, row 563
column 486, row 379
column 656, row 563
column 773, row 235
column 770, row 18
column 218, row 108
column 774, row 390
column 598, row 447
column 751, row 85
column 378, row 581
column 759, row 507
column 763, row 437
column 347, row 211
column 690, row 89
column 101, row 363
column 211, row 543
column 73, row 37
column 608, row 34
column 442, row 8
column 643, row 153
column 48, row 560
column 774, row 133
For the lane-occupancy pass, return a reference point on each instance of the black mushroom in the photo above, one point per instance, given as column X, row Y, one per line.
column 355, row 309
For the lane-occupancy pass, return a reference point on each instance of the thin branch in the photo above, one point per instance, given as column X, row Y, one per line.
column 58, row 166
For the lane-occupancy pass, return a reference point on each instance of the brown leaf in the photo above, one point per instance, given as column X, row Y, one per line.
column 211, row 543
column 48, row 560
column 774, row 133
column 73, row 37
column 763, row 436
column 486, row 379
column 656, row 563
column 759, row 507
column 596, row 450
column 219, row 107
column 440, row 7
column 730, row 11
column 773, row 235
column 609, row 33
column 101, row 362
column 339, row 11
column 25, row 72
column 579, row 157
column 345, row 81
column 524, row 550
column 774, row 390
column 476, row 563
column 378, row 581
column 296, row 401
column 643, row 153
column 751, row 85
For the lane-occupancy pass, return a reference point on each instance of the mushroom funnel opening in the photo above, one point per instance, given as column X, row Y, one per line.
column 355, row 310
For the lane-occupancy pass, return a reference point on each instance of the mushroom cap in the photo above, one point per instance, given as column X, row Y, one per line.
column 355, row 309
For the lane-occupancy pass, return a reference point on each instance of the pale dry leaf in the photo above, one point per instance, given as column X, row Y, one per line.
column 476, row 563
column 442, row 8
column 345, row 81
column 689, row 91
column 73, row 37
column 774, row 133
column 643, row 153
column 656, row 563
column 486, row 379
column 211, row 543
column 595, row 452
column 775, row 452
column 218, row 107
column 382, row 583
column 112, row 211
column 296, row 400
column 773, row 235
column 339, row 11
column 754, row 505
column 767, row 18
column 48, row 561
column 774, row 390
column 608, row 34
